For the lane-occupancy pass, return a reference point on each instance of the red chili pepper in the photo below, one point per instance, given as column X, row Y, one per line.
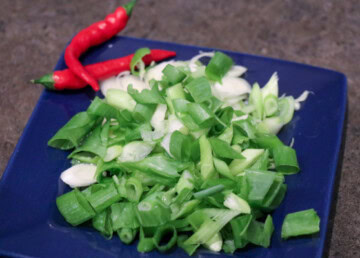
column 93, row 35
column 66, row 79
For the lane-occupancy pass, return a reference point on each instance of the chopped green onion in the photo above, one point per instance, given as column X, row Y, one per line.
column 173, row 75
column 127, row 235
column 134, row 189
column 74, row 207
column 237, row 166
column 300, row 223
column 270, row 105
column 262, row 163
column 209, row 191
column 227, row 135
column 143, row 113
column 146, row 96
column 189, row 249
column 256, row 100
column 239, row 226
column 104, row 197
column 206, row 159
column 136, row 61
column 92, row 144
column 113, row 152
column 271, row 87
column 159, row 165
column 180, row 145
column 185, row 209
column 224, row 150
column 165, row 237
column 102, row 223
column 152, row 212
column 72, row 133
column 234, row 202
column 219, row 218
column 267, row 141
column 285, row 160
column 123, row 215
column 259, row 185
column 270, row 125
column 222, row 168
column 218, row 66
column 186, row 181
column 215, row 243
column 199, row 89
column 120, row 99
column 146, row 244
column 259, row 233
column 201, row 114
column 286, row 108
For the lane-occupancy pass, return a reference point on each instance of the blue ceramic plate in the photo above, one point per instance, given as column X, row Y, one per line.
column 31, row 226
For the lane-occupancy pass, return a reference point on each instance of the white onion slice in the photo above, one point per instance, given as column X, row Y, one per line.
column 236, row 71
column 79, row 175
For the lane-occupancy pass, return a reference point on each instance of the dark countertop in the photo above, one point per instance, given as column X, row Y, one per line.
column 321, row 33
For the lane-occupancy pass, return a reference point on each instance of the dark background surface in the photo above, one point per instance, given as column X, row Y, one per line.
column 321, row 33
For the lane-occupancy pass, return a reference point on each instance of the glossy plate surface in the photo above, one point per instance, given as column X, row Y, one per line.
column 31, row 226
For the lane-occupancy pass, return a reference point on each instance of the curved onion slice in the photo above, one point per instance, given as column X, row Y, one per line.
column 192, row 63
column 230, row 88
column 121, row 82
column 236, row 71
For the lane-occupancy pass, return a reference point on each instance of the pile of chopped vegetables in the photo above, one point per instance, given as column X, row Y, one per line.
column 182, row 153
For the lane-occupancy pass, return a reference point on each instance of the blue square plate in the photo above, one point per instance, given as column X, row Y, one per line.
column 31, row 226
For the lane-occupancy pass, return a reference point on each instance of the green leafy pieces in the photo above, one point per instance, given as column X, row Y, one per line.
column 300, row 223
column 199, row 89
column 223, row 149
column 188, row 248
column 72, row 133
column 74, row 207
column 123, row 215
column 127, row 235
column 286, row 108
column 267, row 141
column 134, row 189
column 180, row 145
column 260, row 233
column 103, row 197
column 92, row 144
column 218, row 219
column 218, row 66
column 146, row 96
column 165, row 237
column 259, row 185
column 247, row 230
column 137, row 58
column 209, row 191
column 200, row 114
column 206, row 159
column 146, row 243
column 158, row 164
column 256, row 100
column 102, row 223
column 286, row 160
column 152, row 212
column 143, row 113
column 173, row 75
column 100, row 108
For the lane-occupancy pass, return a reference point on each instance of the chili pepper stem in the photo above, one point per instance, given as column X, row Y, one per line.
column 129, row 7
column 47, row 80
